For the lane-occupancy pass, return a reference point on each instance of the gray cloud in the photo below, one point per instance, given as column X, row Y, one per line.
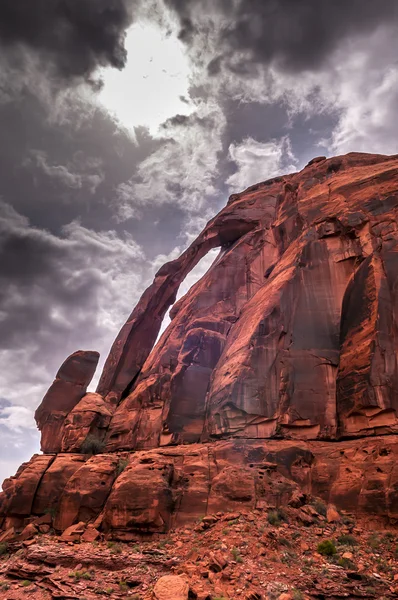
column 294, row 35
column 74, row 163
column 90, row 175
column 73, row 38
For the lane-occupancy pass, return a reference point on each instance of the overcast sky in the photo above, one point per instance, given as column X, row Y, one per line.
column 124, row 127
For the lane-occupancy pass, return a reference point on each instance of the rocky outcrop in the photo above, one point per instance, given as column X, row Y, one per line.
column 151, row 491
column 286, row 349
column 67, row 390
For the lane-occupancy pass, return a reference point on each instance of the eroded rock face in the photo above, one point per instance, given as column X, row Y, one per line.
column 267, row 343
column 287, row 345
column 67, row 390
column 151, row 491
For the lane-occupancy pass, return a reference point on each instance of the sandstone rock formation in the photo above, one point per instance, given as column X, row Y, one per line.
column 281, row 353
column 67, row 390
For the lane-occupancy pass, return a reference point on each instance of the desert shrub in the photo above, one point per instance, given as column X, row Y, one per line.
column 78, row 575
column 297, row 595
column 92, row 445
column 346, row 563
column 236, row 554
column 121, row 465
column 374, row 541
column 114, row 548
column 347, row 540
column 284, row 542
column 3, row 548
column 348, row 522
column 326, row 548
column 320, row 507
column 275, row 517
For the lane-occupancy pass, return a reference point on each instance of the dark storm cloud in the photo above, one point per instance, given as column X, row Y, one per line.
column 74, row 36
column 54, row 172
column 295, row 34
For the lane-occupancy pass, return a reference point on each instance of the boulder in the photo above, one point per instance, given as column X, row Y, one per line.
column 171, row 587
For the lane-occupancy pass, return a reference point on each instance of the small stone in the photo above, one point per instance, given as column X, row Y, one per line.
column 210, row 519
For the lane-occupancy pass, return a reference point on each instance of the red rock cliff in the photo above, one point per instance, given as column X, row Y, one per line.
column 291, row 335
column 292, row 332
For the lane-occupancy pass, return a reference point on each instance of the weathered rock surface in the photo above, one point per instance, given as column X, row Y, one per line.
column 292, row 330
column 67, row 390
column 151, row 491
column 279, row 369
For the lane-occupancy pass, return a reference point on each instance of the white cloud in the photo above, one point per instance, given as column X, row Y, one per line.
column 367, row 98
column 183, row 170
column 258, row 161
column 17, row 418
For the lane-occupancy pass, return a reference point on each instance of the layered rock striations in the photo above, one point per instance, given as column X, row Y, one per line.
column 273, row 364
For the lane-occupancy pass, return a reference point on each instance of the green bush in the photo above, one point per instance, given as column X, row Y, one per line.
column 92, row 445
column 326, row 548
column 78, row 575
column 3, row 548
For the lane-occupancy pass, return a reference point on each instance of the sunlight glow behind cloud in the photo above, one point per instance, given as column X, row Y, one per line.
column 149, row 89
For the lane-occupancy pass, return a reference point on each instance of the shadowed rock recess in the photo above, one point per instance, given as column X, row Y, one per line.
column 277, row 375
